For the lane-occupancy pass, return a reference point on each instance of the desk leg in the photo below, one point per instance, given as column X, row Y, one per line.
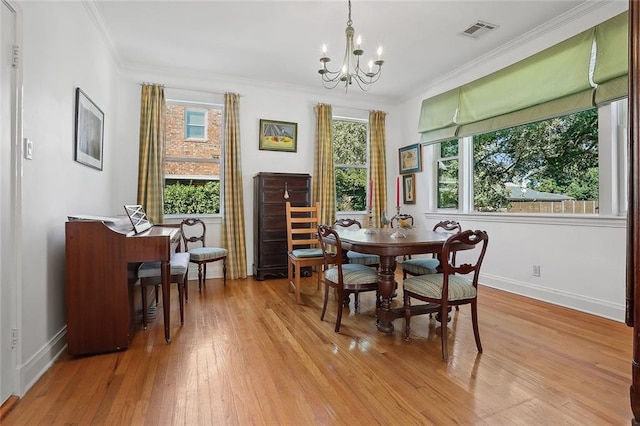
column 386, row 284
column 165, row 270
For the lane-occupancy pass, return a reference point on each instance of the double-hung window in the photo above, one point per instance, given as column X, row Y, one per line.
column 193, row 153
column 448, row 165
column 350, row 163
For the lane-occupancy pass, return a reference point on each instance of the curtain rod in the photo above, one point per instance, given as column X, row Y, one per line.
column 348, row 107
column 192, row 90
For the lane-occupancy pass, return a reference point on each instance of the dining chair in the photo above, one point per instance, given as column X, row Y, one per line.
column 455, row 285
column 345, row 278
column 193, row 234
column 302, row 243
column 421, row 266
column 353, row 256
column 150, row 274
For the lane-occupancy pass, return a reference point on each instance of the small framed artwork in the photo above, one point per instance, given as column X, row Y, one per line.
column 409, row 189
column 278, row 136
column 410, row 157
column 89, row 132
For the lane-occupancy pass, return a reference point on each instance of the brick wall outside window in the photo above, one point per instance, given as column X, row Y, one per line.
column 179, row 147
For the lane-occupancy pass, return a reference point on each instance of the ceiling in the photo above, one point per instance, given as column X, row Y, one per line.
column 279, row 42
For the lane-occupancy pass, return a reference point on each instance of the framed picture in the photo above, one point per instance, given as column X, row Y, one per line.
column 89, row 134
column 410, row 159
column 278, row 136
column 409, row 189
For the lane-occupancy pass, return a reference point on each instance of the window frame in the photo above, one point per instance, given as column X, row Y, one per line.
column 202, row 106
column 354, row 166
column 612, row 165
column 188, row 125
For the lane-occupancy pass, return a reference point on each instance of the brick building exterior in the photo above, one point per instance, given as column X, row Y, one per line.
column 192, row 159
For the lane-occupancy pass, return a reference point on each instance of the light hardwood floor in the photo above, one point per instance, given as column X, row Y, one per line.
column 248, row 354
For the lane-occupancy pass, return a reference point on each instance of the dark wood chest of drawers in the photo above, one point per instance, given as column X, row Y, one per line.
column 269, row 219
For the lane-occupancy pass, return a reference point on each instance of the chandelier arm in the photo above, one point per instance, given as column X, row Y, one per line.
column 350, row 70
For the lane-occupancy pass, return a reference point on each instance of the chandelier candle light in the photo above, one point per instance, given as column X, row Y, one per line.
column 350, row 70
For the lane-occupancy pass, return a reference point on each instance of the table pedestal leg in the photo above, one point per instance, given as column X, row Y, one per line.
column 386, row 285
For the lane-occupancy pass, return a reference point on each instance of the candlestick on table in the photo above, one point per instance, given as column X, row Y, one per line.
column 398, row 233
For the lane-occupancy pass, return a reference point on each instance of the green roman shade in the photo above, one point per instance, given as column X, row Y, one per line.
column 585, row 70
column 612, row 59
column 439, row 111
column 558, row 71
column 568, row 104
column 438, row 117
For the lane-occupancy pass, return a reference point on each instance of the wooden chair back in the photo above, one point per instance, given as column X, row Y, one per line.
column 451, row 227
column 402, row 220
column 448, row 226
column 347, row 223
column 196, row 230
column 466, row 240
column 302, row 226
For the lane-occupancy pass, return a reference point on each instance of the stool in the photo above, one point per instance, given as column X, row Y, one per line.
column 149, row 274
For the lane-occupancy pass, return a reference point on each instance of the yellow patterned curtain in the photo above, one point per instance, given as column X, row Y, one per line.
column 378, row 168
column 324, row 187
column 151, row 157
column 233, row 221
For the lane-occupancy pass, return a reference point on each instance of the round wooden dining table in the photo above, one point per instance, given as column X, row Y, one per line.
column 388, row 244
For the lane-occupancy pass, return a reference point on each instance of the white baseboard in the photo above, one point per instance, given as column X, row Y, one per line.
column 214, row 270
column 41, row 361
column 578, row 302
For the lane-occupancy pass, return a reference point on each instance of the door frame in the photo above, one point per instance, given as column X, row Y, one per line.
column 11, row 227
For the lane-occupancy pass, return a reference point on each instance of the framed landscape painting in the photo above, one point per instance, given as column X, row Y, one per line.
column 278, row 136
column 89, row 132
column 410, row 159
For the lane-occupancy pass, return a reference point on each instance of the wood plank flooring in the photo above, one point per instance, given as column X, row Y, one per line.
column 248, row 354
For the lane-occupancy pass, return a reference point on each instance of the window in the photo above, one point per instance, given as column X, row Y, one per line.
column 448, row 165
column 192, row 158
column 350, row 162
column 546, row 167
column 571, row 164
column 195, row 120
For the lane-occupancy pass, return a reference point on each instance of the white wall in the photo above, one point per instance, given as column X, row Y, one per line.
column 61, row 50
column 582, row 261
column 256, row 102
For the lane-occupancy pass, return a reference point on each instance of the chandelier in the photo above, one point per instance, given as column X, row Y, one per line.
column 350, row 71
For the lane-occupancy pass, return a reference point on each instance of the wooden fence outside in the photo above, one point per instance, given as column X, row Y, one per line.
column 568, row 207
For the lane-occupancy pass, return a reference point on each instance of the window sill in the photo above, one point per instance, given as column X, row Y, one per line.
column 532, row 218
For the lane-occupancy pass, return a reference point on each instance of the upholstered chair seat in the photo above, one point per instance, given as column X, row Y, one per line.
column 420, row 266
column 431, row 286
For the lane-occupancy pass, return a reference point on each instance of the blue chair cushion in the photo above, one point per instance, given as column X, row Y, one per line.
column 179, row 264
column 430, row 285
column 309, row 252
column 207, row 253
column 420, row 266
column 362, row 258
column 352, row 273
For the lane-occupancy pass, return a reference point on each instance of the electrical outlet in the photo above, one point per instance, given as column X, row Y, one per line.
column 536, row 270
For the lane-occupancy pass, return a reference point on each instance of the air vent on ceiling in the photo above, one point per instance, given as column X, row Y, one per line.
column 478, row 29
